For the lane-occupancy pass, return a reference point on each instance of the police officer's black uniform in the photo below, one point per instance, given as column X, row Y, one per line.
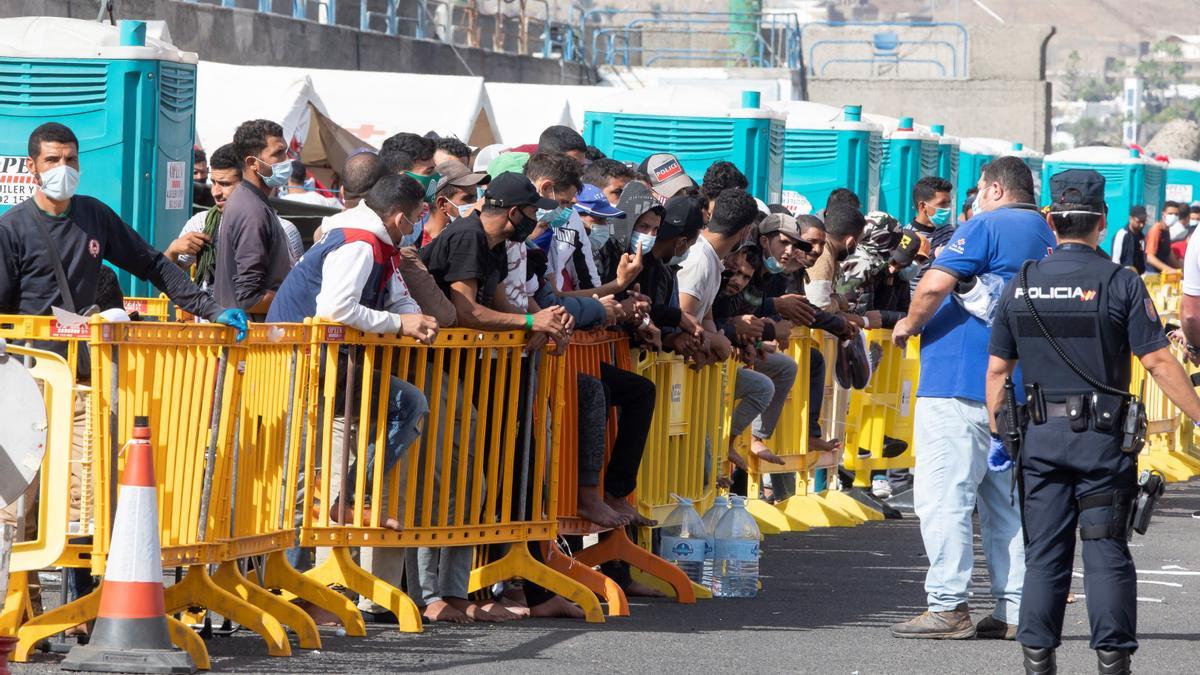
column 1073, row 470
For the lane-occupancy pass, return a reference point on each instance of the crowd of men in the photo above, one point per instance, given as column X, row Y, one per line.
column 552, row 238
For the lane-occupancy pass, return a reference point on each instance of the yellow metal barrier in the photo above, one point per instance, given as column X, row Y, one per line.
column 812, row 504
column 50, row 511
column 485, row 484
column 158, row 309
column 884, row 408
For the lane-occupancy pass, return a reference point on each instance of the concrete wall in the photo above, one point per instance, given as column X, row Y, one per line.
column 249, row 38
column 1006, row 96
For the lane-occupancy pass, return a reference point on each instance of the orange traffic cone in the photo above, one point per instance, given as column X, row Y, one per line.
column 131, row 627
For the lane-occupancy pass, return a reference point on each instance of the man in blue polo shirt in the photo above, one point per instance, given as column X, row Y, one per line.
column 951, row 435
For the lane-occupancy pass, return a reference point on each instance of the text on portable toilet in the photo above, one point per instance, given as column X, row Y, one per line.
column 16, row 182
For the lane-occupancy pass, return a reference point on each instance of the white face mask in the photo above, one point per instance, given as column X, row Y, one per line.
column 1170, row 219
column 60, row 183
column 1178, row 230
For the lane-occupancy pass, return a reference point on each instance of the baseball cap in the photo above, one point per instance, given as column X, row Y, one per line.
column 666, row 174
column 1138, row 211
column 513, row 189
column 911, row 246
column 786, row 225
column 513, row 162
column 683, row 215
column 1079, row 186
column 487, row 153
column 591, row 200
column 454, row 172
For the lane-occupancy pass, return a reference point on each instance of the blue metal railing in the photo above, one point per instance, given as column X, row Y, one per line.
column 959, row 59
column 774, row 41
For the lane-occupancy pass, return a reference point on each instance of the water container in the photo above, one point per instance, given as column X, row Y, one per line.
column 698, row 126
column 1130, row 180
column 129, row 99
column 909, row 154
column 735, row 553
column 711, row 517
column 683, row 538
column 826, row 148
column 1183, row 181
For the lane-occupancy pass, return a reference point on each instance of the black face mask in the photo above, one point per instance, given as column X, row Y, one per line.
column 523, row 228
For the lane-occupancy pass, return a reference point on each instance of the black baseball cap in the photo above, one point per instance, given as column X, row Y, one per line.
column 511, row 189
column 911, row 243
column 683, row 216
column 1078, row 186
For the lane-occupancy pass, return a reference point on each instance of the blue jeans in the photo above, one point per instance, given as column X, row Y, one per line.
column 407, row 407
column 951, row 439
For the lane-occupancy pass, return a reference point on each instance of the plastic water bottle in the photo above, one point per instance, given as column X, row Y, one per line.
column 683, row 539
column 735, row 554
column 710, row 519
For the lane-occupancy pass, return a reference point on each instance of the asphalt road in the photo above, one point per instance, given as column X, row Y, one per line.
column 828, row 598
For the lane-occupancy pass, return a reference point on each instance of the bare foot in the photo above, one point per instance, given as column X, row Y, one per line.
column 345, row 516
column 639, row 590
column 501, row 610
column 440, row 610
column 624, row 508
column 477, row 613
column 822, row 445
column 735, row 458
column 557, row 607
column 763, row 453
column 592, row 507
column 320, row 616
column 513, row 606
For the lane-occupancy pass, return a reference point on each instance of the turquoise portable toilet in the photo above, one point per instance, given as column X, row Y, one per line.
column 973, row 154
column 909, row 154
column 949, row 148
column 129, row 99
column 825, row 148
column 1130, row 179
column 687, row 123
column 1183, row 181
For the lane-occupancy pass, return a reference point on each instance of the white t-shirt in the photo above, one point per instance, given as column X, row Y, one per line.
column 700, row 275
column 517, row 287
column 562, row 250
column 1191, row 266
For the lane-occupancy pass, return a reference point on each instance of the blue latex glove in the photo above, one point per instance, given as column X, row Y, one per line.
column 235, row 319
column 998, row 459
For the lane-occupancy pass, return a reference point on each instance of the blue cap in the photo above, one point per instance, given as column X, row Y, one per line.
column 593, row 202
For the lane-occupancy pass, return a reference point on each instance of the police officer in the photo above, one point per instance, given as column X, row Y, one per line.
column 1073, row 463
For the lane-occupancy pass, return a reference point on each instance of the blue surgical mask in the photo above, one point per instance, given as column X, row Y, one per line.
column 555, row 218
column 465, row 210
column 280, row 173
column 418, row 228
column 643, row 241
column 940, row 217
column 772, row 265
column 60, row 183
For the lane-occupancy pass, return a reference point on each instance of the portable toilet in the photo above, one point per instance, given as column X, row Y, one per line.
column 1130, row 179
column 129, row 99
column 909, row 154
column 825, row 148
column 949, row 149
column 632, row 125
column 1183, row 181
column 973, row 154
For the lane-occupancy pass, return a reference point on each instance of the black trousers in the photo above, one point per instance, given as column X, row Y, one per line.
column 633, row 396
column 1060, row 466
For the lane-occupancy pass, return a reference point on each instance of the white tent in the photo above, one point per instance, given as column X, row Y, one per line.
column 227, row 95
column 374, row 105
column 370, row 105
column 524, row 110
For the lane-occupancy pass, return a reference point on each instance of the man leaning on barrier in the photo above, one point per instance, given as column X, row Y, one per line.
column 350, row 277
column 53, row 244
column 1072, row 321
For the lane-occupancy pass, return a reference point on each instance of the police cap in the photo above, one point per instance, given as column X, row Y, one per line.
column 1078, row 186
